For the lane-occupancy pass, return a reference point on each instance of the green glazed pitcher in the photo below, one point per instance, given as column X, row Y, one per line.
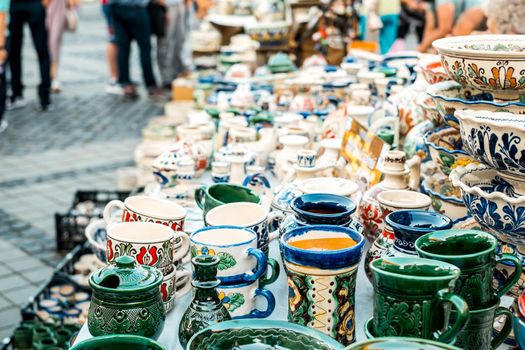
column 474, row 252
column 409, row 297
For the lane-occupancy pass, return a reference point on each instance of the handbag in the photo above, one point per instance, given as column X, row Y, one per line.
column 71, row 20
column 157, row 16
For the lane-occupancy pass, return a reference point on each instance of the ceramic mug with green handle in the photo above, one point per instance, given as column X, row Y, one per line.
column 213, row 196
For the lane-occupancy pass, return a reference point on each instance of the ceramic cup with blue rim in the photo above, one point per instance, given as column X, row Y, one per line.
column 306, row 158
column 321, row 263
column 240, row 300
column 240, row 259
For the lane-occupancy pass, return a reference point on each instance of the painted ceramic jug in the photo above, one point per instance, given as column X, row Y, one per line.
column 206, row 308
column 398, row 175
column 126, row 300
column 321, row 282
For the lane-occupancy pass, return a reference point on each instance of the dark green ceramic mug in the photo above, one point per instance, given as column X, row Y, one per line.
column 474, row 252
column 210, row 197
column 409, row 299
column 479, row 329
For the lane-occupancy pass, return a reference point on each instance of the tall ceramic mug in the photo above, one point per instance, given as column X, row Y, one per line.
column 409, row 295
column 321, row 262
column 150, row 244
column 148, row 209
column 474, row 252
column 240, row 300
column 213, row 196
column 240, row 259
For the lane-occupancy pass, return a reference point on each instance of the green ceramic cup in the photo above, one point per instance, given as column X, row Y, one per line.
column 119, row 342
column 210, row 197
column 479, row 329
column 474, row 252
column 409, row 297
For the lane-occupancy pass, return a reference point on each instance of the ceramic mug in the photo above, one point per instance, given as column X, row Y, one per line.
column 147, row 209
column 150, row 244
column 408, row 297
column 240, row 259
column 474, row 252
column 479, row 329
column 240, row 300
column 321, row 263
column 174, row 286
column 213, row 196
column 306, row 158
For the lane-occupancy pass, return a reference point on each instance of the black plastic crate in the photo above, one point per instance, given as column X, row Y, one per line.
column 70, row 227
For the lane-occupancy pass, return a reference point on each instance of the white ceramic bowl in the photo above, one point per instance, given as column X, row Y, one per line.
column 494, row 63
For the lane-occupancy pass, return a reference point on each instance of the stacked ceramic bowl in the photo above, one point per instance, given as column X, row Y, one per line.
column 483, row 110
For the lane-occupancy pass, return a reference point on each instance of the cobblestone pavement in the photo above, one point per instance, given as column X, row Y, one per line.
column 46, row 157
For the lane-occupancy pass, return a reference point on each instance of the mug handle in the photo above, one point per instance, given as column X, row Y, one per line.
column 179, row 275
column 462, row 310
column 273, row 265
column 185, row 247
column 248, row 179
column 187, row 259
column 512, row 278
column 274, row 219
column 200, row 195
column 262, row 265
column 507, row 327
column 270, row 299
column 109, row 208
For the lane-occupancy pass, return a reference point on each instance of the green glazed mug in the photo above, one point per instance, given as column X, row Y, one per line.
column 208, row 198
column 409, row 297
column 479, row 329
column 474, row 252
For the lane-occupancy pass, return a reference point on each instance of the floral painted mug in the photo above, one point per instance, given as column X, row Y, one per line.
column 240, row 259
column 147, row 209
column 177, row 279
column 240, row 300
column 149, row 243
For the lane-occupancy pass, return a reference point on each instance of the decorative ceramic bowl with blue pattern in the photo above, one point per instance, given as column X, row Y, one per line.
column 444, row 198
column 450, row 96
column 495, row 138
column 492, row 200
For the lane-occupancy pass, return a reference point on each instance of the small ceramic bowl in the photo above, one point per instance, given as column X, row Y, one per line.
column 444, row 199
column 427, row 107
column 494, row 138
column 445, row 147
column 494, row 202
column 450, row 96
column 432, row 70
column 494, row 63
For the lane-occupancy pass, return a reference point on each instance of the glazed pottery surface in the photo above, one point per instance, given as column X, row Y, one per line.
column 126, row 300
column 494, row 63
column 446, row 199
column 322, row 281
column 495, row 139
column 519, row 331
column 119, row 342
column 262, row 334
column 474, row 252
column 208, row 198
column 206, row 308
column 427, row 108
column 148, row 209
column 240, row 300
column 149, row 243
column 414, row 144
column 450, row 96
column 491, row 200
column 398, row 343
column 478, row 333
column 408, row 293
column 169, row 291
column 240, row 260
column 445, row 147
column 432, row 70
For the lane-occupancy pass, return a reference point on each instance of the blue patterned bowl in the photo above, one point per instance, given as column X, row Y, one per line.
column 493, row 201
column 450, row 96
column 494, row 138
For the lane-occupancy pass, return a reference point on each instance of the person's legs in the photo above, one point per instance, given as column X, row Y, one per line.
column 388, row 33
column 142, row 34
column 37, row 24
column 120, row 22
column 56, row 23
column 180, row 36
column 166, row 47
column 111, row 49
column 3, row 95
column 16, row 30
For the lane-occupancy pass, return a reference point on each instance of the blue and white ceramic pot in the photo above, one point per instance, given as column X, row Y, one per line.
column 322, row 282
column 321, row 209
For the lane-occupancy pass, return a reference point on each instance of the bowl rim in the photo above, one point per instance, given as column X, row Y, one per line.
column 433, row 145
column 443, row 47
column 435, row 89
column 494, row 119
column 457, row 175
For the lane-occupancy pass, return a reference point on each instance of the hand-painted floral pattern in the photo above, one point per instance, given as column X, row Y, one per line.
column 226, row 259
column 231, row 301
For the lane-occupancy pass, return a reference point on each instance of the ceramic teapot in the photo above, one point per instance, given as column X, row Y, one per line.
column 126, row 299
column 399, row 174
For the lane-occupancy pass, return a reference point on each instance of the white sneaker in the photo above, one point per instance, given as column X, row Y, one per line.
column 3, row 125
column 55, row 86
column 18, row 102
column 113, row 88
